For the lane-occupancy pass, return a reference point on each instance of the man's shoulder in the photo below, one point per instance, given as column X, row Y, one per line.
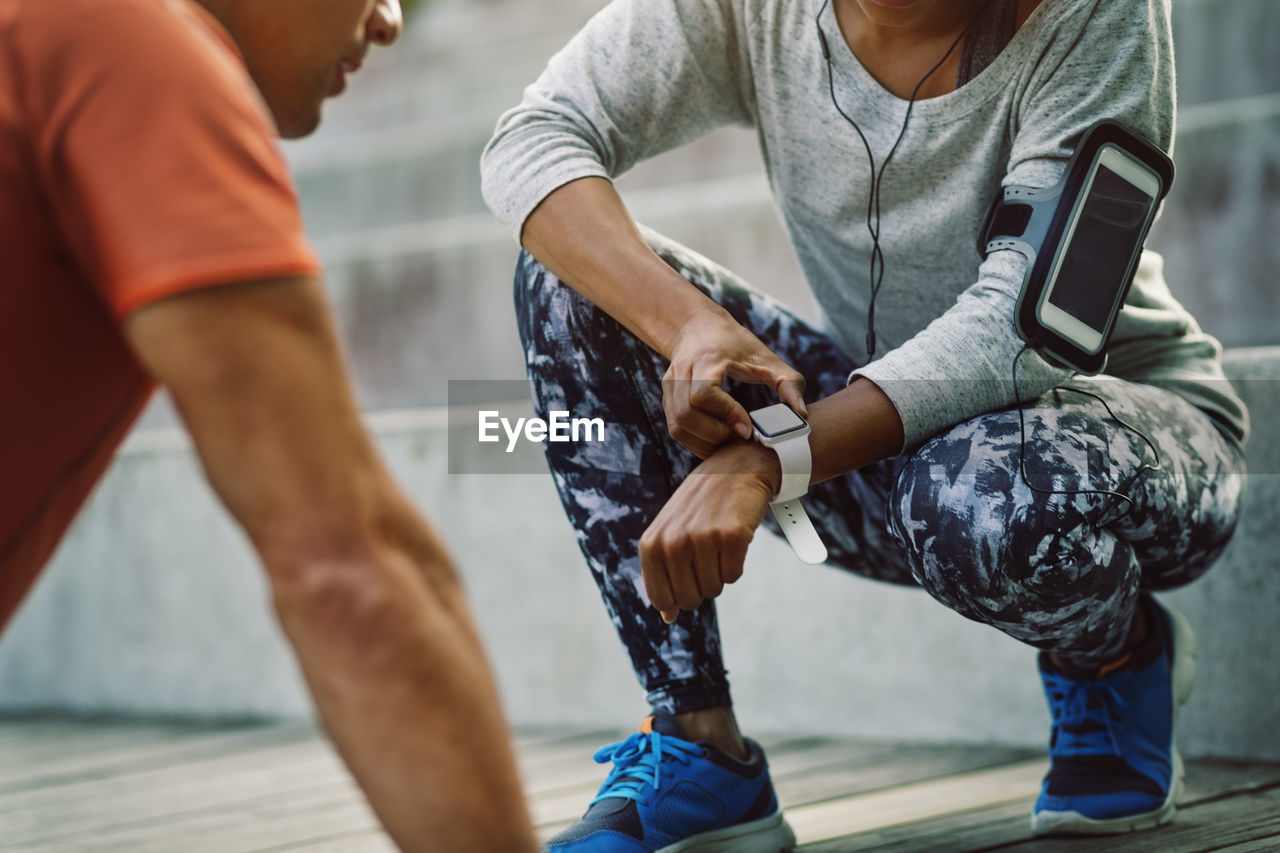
column 66, row 13
column 144, row 55
column 177, row 32
column 71, row 16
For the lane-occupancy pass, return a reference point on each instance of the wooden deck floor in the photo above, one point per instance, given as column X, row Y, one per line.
column 97, row 786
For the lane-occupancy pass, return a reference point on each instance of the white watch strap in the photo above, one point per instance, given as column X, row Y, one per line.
column 799, row 531
column 797, row 466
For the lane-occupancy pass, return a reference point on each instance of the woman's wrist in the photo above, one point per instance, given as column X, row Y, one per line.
column 749, row 459
column 687, row 316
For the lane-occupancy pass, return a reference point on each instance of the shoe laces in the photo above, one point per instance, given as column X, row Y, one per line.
column 637, row 763
column 1085, row 712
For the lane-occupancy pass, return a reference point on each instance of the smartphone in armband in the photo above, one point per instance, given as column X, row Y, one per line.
column 1083, row 239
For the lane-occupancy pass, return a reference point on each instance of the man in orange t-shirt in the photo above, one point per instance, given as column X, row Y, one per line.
column 149, row 233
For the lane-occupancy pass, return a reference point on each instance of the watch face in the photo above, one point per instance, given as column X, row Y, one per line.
column 778, row 419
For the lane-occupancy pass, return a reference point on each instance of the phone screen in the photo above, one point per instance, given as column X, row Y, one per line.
column 1107, row 232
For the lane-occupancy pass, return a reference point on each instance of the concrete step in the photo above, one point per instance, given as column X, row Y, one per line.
column 1218, row 228
column 426, row 172
column 456, row 57
column 1225, row 49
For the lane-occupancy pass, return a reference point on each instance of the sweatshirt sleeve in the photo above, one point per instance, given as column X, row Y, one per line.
column 642, row 77
column 1107, row 59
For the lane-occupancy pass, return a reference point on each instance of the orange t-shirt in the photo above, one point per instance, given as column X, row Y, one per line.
column 137, row 161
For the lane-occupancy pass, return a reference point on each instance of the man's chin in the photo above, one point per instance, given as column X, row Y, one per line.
column 298, row 123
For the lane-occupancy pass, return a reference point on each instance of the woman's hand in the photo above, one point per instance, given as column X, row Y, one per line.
column 698, row 541
column 710, row 348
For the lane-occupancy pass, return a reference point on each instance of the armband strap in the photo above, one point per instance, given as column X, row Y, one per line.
column 1019, row 220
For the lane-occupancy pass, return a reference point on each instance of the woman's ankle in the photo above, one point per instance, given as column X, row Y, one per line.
column 718, row 726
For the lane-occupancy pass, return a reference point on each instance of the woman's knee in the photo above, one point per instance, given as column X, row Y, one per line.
column 937, row 515
column 982, row 542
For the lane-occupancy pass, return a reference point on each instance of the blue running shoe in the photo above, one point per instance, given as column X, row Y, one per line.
column 668, row 795
column 1114, row 767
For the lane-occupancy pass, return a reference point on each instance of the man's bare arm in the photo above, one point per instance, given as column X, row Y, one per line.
column 363, row 588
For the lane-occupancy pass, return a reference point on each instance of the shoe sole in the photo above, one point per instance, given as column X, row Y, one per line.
column 771, row 834
column 1183, row 677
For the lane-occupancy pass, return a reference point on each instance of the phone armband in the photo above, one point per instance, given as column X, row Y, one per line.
column 1082, row 239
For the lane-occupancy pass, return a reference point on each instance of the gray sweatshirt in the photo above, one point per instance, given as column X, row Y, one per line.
column 645, row 76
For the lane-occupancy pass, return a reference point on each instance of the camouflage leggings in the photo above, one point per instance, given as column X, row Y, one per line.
column 1061, row 572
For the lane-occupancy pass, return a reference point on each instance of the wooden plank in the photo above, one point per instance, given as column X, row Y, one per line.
column 87, row 808
column 906, row 803
column 1262, row 845
column 76, row 742
column 252, row 826
column 278, row 758
column 1009, row 824
column 799, row 755
column 951, row 833
column 368, row 841
column 1211, row 825
column 903, row 765
column 87, row 755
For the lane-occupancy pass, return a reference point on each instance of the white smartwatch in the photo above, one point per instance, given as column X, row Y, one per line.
column 781, row 429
